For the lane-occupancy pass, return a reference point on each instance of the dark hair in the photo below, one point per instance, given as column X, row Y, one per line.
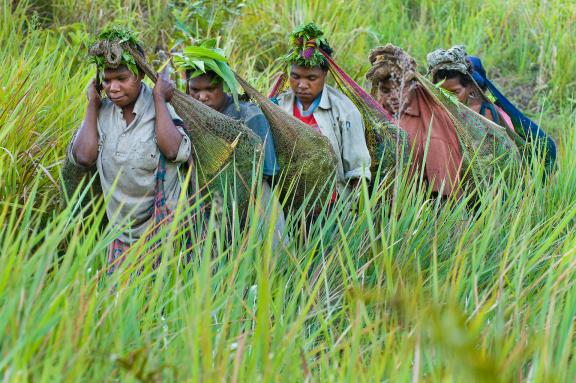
column 210, row 74
column 213, row 76
column 449, row 74
column 328, row 50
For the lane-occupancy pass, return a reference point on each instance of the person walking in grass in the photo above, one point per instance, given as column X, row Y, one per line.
column 324, row 108
column 210, row 80
column 213, row 84
column 466, row 77
column 452, row 71
column 134, row 138
column 431, row 133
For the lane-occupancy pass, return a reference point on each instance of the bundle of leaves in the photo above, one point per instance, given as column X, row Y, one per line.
column 208, row 58
column 106, row 49
column 305, row 41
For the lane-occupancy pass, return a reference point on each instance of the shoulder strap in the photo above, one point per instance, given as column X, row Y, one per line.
column 488, row 105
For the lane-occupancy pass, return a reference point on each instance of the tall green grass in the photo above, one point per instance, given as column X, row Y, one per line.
column 405, row 290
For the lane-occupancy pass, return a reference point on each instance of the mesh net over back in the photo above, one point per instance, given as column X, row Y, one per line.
column 224, row 149
column 306, row 158
column 486, row 146
column 387, row 143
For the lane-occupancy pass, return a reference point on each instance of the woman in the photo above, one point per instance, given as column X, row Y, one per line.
column 451, row 69
column 431, row 131
column 465, row 77
column 327, row 110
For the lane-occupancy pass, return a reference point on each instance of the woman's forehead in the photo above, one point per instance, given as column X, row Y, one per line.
column 111, row 73
column 203, row 82
column 451, row 83
column 306, row 71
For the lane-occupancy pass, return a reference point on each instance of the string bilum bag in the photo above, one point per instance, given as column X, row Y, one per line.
column 223, row 149
column 73, row 176
column 386, row 142
column 306, row 158
column 487, row 149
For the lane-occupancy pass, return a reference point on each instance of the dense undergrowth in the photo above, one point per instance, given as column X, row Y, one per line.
column 399, row 289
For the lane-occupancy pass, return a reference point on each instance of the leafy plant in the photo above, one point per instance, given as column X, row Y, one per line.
column 204, row 58
column 305, row 41
column 106, row 49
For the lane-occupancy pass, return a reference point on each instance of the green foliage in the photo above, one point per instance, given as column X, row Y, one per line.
column 204, row 58
column 109, row 43
column 118, row 34
column 305, row 41
column 203, row 19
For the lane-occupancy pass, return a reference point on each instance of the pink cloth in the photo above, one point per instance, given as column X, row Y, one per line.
column 444, row 158
column 505, row 117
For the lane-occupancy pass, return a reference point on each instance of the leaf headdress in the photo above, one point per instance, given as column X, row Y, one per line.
column 205, row 58
column 306, row 41
column 106, row 49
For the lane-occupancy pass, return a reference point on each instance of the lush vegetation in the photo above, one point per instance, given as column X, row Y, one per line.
column 397, row 289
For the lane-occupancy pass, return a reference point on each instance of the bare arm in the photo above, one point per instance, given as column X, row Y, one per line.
column 85, row 145
column 168, row 136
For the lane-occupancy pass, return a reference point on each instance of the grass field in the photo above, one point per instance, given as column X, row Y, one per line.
column 409, row 290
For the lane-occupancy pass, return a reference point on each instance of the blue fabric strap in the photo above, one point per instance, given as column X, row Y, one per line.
column 488, row 105
column 531, row 130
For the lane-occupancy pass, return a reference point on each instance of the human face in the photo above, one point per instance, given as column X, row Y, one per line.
column 454, row 86
column 392, row 96
column 122, row 86
column 204, row 89
column 307, row 83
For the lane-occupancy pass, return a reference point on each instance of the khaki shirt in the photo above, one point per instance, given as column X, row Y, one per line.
column 340, row 121
column 127, row 160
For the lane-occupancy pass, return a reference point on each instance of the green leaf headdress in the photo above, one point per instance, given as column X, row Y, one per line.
column 106, row 50
column 305, row 41
column 204, row 58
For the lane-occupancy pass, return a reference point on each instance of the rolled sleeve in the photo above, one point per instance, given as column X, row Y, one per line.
column 185, row 147
column 70, row 155
column 355, row 155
